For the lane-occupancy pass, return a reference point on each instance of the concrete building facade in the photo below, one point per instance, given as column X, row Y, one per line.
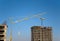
column 3, row 32
column 39, row 33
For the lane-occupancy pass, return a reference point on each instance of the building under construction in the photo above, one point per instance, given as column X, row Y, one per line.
column 39, row 33
column 3, row 28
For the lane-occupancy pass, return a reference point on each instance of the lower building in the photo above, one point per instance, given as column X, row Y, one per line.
column 3, row 32
column 39, row 33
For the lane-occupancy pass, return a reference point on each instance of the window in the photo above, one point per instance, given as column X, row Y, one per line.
column 1, row 27
column 1, row 35
column 39, row 40
column 1, row 30
column 1, row 40
column 36, row 30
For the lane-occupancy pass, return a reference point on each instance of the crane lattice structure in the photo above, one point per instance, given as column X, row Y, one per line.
column 27, row 18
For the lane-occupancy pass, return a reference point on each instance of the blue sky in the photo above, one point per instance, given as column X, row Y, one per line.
column 19, row 9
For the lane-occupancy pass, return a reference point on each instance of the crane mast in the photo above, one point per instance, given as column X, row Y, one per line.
column 10, row 39
column 42, row 19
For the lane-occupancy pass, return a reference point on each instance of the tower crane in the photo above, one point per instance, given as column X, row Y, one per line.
column 27, row 18
column 42, row 19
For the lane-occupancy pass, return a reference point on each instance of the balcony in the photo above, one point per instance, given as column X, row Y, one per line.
column 2, row 27
column 1, row 35
column 1, row 40
column 1, row 30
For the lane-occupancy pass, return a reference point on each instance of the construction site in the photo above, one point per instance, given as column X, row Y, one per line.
column 38, row 33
